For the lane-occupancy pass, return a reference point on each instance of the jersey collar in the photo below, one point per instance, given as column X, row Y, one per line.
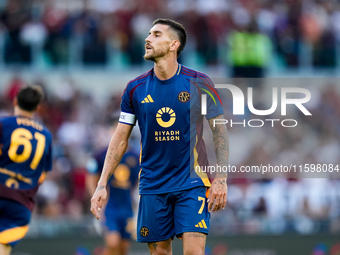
column 172, row 79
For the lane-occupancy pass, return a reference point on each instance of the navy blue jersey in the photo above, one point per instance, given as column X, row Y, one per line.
column 171, row 139
column 25, row 157
column 123, row 179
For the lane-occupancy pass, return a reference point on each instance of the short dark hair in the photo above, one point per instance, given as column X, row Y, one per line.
column 29, row 97
column 178, row 28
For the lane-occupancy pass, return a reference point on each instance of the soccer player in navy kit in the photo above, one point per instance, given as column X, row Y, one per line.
column 119, row 224
column 172, row 201
column 25, row 158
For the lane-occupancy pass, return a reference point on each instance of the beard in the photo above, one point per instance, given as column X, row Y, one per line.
column 156, row 54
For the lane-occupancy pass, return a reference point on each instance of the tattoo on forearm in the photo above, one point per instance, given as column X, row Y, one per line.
column 221, row 141
column 117, row 148
column 100, row 187
column 108, row 177
column 196, row 235
column 110, row 154
column 116, row 157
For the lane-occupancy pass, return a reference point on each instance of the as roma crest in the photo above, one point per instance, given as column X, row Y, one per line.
column 183, row 96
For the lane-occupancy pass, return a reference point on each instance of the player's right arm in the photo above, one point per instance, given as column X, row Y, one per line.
column 114, row 154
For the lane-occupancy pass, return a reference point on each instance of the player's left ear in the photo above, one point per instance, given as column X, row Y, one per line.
column 174, row 45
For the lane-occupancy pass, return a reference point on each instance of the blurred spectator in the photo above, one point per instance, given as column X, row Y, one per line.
column 14, row 17
column 13, row 88
column 261, row 207
column 56, row 45
column 87, row 26
column 93, row 32
column 249, row 52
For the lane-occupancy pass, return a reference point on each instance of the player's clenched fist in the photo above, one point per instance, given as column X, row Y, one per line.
column 98, row 200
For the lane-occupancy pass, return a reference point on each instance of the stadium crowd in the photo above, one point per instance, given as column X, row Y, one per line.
column 92, row 32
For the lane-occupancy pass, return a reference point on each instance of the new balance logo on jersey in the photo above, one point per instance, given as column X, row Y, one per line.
column 201, row 224
column 148, row 99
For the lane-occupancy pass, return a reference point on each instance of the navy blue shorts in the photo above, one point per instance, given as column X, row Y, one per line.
column 163, row 216
column 14, row 220
column 123, row 224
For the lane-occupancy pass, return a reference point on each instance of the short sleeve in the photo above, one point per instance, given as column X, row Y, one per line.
column 127, row 115
column 214, row 104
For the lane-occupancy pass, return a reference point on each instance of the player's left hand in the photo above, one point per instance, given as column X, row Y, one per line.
column 98, row 200
column 217, row 199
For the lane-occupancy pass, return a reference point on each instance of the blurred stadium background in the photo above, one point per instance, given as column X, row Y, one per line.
column 83, row 52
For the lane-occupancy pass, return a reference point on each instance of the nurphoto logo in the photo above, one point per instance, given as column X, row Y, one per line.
column 239, row 105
